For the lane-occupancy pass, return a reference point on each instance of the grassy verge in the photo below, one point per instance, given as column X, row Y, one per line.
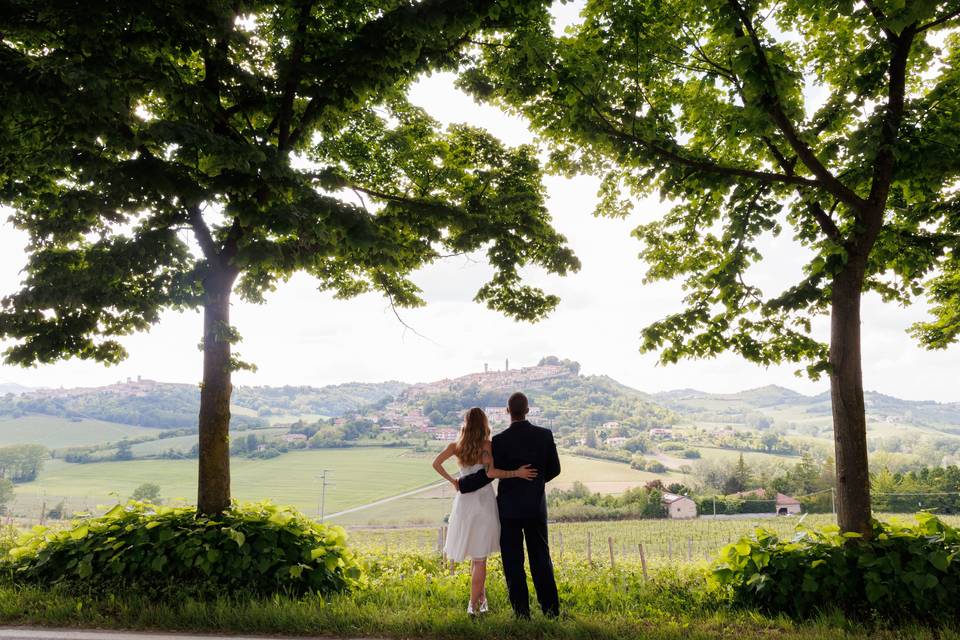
column 409, row 596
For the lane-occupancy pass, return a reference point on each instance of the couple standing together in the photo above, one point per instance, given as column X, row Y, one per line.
column 524, row 458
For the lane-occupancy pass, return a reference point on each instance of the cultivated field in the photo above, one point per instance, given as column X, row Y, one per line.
column 60, row 433
column 664, row 541
column 359, row 476
column 431, row 507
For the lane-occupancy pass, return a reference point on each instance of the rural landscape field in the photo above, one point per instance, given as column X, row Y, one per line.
column 469, row 319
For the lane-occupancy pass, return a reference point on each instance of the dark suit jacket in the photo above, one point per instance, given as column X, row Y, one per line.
column 521, row 443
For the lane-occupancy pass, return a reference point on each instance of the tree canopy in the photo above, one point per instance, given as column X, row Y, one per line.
column 831, row 119
column 163, row 154
column 251, row 130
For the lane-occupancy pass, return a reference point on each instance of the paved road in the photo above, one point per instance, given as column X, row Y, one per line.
column 32, row 633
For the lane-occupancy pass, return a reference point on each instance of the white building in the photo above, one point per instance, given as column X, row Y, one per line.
column 679, row 507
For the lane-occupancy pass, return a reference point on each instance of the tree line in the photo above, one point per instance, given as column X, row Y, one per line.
column 22, row 462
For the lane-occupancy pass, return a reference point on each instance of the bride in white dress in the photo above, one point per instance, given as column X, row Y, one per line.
column 474, row 527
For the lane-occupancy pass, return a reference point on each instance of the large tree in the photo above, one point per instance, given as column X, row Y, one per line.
column 164, row 155
column 837, row 120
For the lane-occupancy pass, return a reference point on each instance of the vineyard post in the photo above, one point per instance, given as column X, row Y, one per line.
column 643, row 561
column 714, row 506
column 610, row 546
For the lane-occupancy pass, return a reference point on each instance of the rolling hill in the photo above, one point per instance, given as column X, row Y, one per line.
column 772, row 399
column 161, row 405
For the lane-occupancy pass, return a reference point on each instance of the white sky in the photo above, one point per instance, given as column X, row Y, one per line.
column 302, row 336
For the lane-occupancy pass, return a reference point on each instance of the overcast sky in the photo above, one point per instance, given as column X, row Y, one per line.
column 302, row 336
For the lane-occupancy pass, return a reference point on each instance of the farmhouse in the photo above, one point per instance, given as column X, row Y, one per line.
column 784, row 505
column 616, row 441
column 661, row 433
column 448, row 435
column 787, row 505
column 679, row 507
column 294, row 437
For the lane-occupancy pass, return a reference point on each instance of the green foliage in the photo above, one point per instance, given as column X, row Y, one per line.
column 931, row 488
column 709, row 106
column 22, row 462
column 6, row 493
column 579, row 503
column 903, row 572
column 256, row 548
column 127, row 128
column 147, row 492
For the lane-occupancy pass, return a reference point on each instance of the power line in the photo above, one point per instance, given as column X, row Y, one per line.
column 323, row 492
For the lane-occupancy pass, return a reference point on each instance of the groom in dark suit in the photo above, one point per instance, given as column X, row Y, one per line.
column 523, row 507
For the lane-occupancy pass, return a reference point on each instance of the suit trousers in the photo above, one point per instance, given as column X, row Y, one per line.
column 513, row 531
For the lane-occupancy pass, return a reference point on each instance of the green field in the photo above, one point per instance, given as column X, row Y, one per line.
column 60, row 433
column 664, row 541
column 430, row 507
column 359, row 476
column 183, row 444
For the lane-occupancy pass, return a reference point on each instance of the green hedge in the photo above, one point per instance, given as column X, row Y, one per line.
column 905, row 571
column 256, row 548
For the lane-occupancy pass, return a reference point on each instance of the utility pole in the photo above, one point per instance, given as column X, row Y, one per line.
column 323, row 492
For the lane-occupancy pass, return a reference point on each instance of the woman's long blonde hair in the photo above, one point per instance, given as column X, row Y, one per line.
column 473, row 433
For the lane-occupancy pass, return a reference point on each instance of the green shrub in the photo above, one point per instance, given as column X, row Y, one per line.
column 8, row 538
column 905, row 571
column 257, row 548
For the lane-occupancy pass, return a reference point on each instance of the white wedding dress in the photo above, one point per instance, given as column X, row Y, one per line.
column 474, row 527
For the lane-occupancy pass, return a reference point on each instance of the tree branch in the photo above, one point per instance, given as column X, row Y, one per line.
column 452, row 21
column 705, row 165
column 938, row 21
column 295, row 72
column 884, row 163
column 881, row 18
column 779, row 117
column 202, row 232
column 826, row 223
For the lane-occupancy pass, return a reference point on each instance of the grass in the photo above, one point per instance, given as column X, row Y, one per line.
column 410, row 596
column 359, row 476
column 60, row 433
column 183, row 444
column 665, row 542
column 432, row 507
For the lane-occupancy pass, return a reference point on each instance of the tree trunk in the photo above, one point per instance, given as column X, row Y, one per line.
column 846, row 390
column 213, row 494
